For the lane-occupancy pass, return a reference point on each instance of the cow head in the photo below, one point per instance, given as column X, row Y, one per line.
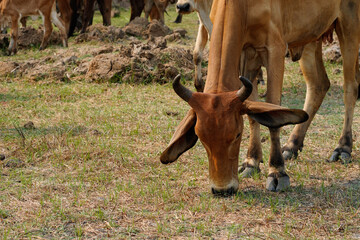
column 217, row 120
column 185, row 6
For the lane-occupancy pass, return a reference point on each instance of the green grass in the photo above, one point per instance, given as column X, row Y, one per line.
column 91, row 166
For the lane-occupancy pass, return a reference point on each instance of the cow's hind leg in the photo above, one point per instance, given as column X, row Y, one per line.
column 317, row 84
column 348, row 34
column 60, row 24
column 200, row 44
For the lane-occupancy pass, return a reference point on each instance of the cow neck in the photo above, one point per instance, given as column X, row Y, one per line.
column 225, row 46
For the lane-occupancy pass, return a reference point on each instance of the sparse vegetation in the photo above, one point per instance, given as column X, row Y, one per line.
column 90, row 168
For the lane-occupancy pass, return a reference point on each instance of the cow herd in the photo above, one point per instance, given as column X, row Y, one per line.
column 67, row 14
column 245, row 36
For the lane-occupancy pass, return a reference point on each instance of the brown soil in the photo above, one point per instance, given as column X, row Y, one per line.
column 131, row 60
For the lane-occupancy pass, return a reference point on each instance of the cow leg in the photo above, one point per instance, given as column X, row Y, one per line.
column 277, row 179
column 317, row 84
column 47, row 28
column 349, row 45
column 14, row 34
column 254, row 154
column 105, row 10
column 201, row 40
column 23, row 22
column 75, row 5
column 136, row 8
column 161, row 7
column 60, row 24
column 88, row 13
column 66, row 13
column 147, row 8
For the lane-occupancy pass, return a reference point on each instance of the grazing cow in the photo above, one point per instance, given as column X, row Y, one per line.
column 268, row 27
column 216, row 118
column 13, row 10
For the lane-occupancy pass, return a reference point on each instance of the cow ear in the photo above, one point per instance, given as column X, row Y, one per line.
column 274, row 116
column 183, row 139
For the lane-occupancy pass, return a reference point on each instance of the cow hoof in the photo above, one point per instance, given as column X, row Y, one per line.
column 277, row 184
column 248, row 172
column 345, row 157
column 11, row 52
column 334, row 157
column 287, row 155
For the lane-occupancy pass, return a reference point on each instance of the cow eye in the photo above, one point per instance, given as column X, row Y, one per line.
column 237, row 136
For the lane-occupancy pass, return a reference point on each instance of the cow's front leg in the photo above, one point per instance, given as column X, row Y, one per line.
column 277, row 179
column 14, row 35
column 254, row 154
column 200, row 44
column 317, row 84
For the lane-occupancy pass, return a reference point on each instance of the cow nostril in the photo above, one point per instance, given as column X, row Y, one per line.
column 223, row 192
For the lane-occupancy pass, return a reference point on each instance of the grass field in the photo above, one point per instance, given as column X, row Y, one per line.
column 90, row 168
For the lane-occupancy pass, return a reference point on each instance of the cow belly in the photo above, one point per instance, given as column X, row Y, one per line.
column 305, row 21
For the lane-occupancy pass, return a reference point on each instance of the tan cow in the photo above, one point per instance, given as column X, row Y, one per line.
column 268, row 27
column 13, row 10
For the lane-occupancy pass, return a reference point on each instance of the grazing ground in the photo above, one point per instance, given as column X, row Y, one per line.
column 82, row 161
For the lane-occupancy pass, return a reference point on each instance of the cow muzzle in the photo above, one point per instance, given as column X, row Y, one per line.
column 229, row 190
column 183, row 8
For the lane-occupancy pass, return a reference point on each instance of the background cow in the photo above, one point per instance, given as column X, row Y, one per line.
column 13, row 10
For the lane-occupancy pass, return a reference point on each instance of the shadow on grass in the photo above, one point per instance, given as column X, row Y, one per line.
column 344, row 194
column 13, row 133
column 11, row 97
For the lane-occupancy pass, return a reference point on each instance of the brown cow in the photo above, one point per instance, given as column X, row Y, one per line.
column 268, row 27
column 222, row 113
column 13, row 10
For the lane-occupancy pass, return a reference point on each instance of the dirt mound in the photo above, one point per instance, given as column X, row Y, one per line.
column 332, row 51
column 98, row 32
column 30, row 37
column 139, row 27
column 142, row 63
column 136, row 62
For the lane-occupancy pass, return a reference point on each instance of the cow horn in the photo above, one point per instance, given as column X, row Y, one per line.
column 180, row 90
column 246, row 90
